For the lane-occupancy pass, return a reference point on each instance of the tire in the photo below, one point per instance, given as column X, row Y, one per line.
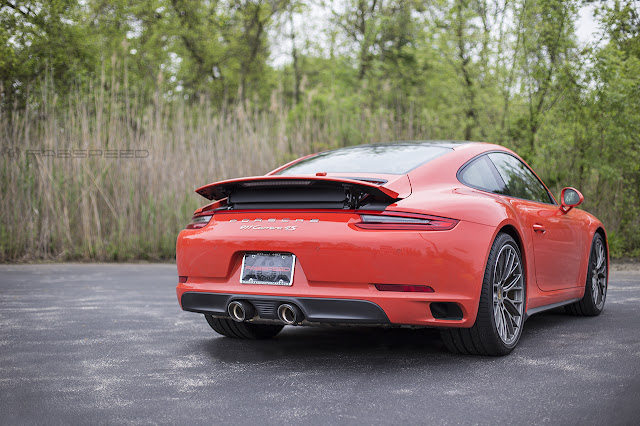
column 501, row 309
column 595, row 289
column 243, row 330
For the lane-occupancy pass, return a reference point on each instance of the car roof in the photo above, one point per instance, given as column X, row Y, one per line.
column 466, row 149
column 441, row 143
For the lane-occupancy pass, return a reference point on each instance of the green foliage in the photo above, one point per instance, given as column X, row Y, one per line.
column 197, row 78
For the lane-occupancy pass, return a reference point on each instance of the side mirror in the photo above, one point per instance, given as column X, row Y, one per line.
column 570, row 197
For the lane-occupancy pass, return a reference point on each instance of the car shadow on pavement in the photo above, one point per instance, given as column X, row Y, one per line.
column 326, row 342
column 550, row 320
column 295, row 343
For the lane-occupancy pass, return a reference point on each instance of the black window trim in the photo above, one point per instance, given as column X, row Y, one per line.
column 492, row 167
column 494, row 170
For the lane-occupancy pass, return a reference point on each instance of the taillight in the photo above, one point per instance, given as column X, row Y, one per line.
column 405, row 221
column 199, row 221
column 405, row 288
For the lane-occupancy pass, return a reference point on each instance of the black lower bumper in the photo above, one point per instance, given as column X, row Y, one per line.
column 314, row 309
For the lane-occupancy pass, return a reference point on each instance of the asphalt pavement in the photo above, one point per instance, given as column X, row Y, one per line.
column 105, row 344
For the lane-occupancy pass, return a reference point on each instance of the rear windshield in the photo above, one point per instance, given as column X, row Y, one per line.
column 384, row 159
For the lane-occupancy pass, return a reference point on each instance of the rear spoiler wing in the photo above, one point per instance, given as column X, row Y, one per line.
column 352, row 188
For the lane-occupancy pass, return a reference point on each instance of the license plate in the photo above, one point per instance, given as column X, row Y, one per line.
column 267, row 268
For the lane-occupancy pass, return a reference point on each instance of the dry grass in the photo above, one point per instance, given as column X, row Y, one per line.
column 65, row 196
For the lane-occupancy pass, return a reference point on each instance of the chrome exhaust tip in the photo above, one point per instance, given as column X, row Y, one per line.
column 240, row 311
column 289, row 314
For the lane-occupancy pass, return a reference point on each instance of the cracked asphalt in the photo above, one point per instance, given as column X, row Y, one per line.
column 105, row 344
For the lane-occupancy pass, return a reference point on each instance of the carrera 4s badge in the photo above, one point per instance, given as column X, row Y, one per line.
column 272, row 228
column 268, row 228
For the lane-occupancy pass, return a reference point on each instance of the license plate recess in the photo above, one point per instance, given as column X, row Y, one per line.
column 267, row 268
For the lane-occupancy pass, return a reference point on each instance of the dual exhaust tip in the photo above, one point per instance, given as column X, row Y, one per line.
column 288, row 313
column 241, row 311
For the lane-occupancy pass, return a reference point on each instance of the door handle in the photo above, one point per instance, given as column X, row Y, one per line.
column 539, row 228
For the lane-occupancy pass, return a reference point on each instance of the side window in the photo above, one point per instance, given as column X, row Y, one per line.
column 520, row 181
column 481, row 174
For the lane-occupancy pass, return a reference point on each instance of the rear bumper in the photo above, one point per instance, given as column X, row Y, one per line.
column 314, row 309
column 337, row 261
column 351, row 307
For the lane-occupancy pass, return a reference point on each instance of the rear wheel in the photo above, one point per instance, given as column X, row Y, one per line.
column 595, row 291
column 500, row 316
column 243, row 330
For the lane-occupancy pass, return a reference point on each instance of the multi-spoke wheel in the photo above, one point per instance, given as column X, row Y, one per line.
column 501, row 309
column 595, row 291
column 508, row 294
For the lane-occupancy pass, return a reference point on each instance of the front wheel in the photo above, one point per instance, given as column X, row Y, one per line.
column 595, row 289
column 500, row 316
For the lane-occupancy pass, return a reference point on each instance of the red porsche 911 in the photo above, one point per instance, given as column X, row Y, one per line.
column 456, row 235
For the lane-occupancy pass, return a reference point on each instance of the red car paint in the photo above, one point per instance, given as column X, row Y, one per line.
column 337, row 259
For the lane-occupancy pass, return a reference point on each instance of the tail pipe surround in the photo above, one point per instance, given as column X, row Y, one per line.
column 290, row 314
column 239, row 310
